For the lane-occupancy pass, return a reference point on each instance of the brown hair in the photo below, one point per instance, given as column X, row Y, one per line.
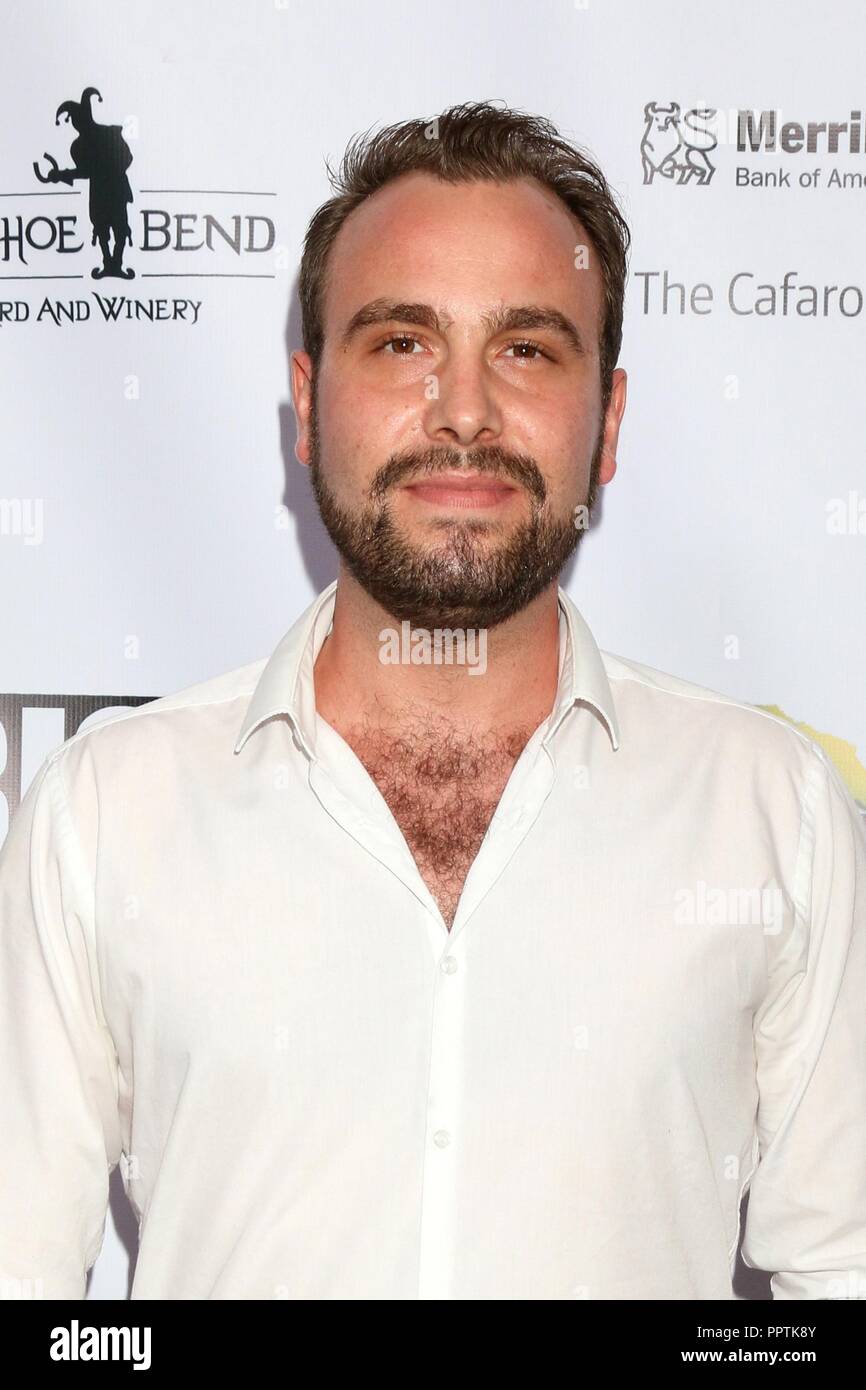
column 473, row 141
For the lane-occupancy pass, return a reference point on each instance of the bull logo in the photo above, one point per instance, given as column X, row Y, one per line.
column 99, row 153
column 677, row 149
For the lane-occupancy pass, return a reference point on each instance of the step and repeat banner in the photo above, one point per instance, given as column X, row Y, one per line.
column 158, row 166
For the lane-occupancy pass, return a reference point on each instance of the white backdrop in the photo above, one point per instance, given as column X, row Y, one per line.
column 155, row 528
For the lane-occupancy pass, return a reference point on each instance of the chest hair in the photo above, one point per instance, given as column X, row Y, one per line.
column 442, row 787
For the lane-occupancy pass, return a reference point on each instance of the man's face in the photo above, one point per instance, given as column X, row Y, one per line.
column 424, row 382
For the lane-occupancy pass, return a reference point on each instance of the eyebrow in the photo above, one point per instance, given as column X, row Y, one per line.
column 503, row 319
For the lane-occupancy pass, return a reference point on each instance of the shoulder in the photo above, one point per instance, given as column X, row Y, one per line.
column 680, row 712
column 200, row 720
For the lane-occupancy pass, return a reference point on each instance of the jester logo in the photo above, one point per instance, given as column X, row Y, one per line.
column 99, row 153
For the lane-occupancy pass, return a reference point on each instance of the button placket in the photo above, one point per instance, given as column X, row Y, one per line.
column 442, row 1142
column 510, row 825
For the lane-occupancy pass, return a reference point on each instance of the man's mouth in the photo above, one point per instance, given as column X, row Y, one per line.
column 466, row 490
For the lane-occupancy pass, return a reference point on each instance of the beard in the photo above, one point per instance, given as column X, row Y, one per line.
column 464, row 579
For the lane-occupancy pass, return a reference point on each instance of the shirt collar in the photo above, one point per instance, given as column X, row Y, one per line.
column 286, row 687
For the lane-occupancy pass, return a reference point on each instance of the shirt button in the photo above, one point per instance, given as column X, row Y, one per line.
column 442, row 1139
column 448, row 964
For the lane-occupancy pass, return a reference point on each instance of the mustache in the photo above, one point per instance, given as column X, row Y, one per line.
column 520, row 468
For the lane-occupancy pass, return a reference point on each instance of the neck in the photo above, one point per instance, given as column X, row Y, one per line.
column 516, row 689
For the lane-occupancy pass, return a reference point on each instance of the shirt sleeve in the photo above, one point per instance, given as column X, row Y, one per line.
column 58, row 1068
column 806, row 1218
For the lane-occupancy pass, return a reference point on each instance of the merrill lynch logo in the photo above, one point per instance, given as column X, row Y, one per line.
column 46, row 245
column 675, row 147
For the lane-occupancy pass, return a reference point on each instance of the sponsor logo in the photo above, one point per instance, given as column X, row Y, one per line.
column 155, row 234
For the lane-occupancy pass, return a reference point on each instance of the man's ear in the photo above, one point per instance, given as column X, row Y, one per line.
column 612, row 422
column 302, row 401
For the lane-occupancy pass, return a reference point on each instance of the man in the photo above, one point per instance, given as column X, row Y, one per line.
column 389, row 975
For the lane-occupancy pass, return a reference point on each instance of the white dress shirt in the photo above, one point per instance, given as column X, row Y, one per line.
column 222, row 969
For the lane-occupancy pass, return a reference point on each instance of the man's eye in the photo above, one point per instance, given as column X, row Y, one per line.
column 527, row 346
column 403, row 339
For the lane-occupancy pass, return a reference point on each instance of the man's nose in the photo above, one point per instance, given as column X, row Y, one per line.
column 463, row 406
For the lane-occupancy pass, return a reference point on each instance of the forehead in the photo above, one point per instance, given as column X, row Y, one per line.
column 467, row 246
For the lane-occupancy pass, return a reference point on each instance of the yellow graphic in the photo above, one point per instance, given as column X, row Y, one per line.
column 842, row 754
